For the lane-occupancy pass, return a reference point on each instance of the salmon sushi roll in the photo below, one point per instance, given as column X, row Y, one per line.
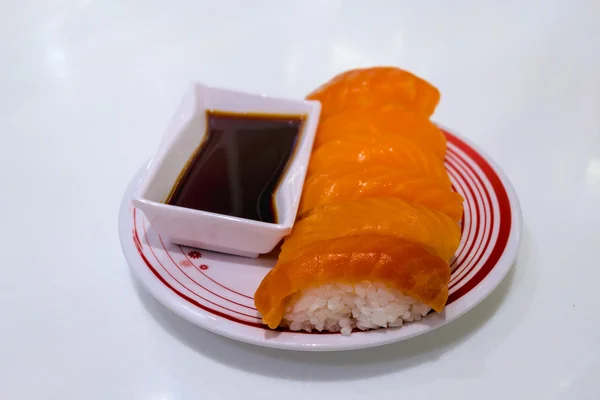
column 379, row 87
column 379, row 181
column 353, row 282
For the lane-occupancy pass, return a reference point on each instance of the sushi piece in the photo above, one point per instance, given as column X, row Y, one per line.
column 436, row 232
column 342, row 186
column 379, row 87
column 390, row 151
column 363, row 282
column 378, row 218
column 375, row 121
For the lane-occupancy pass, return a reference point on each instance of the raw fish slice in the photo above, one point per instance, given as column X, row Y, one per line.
column 395, row 152
column 370, row 121
column 376, row 86
column 335, row 188
column 436, row 232
column 394, row 262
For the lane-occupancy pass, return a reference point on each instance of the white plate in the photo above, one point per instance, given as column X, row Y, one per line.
column 214, row 291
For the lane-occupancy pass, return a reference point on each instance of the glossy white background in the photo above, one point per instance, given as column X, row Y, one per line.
column 86, row 89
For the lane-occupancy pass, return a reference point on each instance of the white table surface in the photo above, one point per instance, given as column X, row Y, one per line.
column 86, row 88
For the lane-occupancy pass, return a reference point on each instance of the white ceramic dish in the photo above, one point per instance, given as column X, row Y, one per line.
column 215, row 291
column 185, row 133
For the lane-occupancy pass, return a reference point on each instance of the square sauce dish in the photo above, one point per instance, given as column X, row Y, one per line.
column 229, row 172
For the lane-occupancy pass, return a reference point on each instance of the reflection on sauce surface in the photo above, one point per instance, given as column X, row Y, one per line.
column 237, row 169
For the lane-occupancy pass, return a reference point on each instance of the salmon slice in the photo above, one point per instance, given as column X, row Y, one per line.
column 395, row 152
column 370, row 121
column 335, row 188
column 376, row 86
column 395, row 262
column 436, row 232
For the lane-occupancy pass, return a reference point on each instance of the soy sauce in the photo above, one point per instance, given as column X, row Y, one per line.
column 237, row 169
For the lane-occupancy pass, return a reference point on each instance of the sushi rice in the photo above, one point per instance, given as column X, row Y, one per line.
column 343, row 307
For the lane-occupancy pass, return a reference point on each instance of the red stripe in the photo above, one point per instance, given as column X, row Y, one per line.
column 486, row 242
column 475, row 220
column 197, row 283
column 472, row 227
column 480, row 221
column 505, row 219
column 209, row 278
column 175, row 279
column 188, row 299
column 451, row 168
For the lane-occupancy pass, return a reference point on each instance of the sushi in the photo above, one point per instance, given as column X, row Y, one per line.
column 378, row 218
column 379, row 181
column 434, row 231
column 378, row 87
column 377, row 121
column 398, row 153
column 364, row 282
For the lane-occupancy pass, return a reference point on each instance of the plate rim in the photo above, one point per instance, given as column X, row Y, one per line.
column 320, row 342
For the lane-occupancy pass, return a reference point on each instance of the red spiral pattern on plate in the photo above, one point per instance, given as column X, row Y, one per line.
column 486, row 225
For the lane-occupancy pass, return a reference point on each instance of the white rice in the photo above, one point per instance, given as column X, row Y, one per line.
column 341, row 308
